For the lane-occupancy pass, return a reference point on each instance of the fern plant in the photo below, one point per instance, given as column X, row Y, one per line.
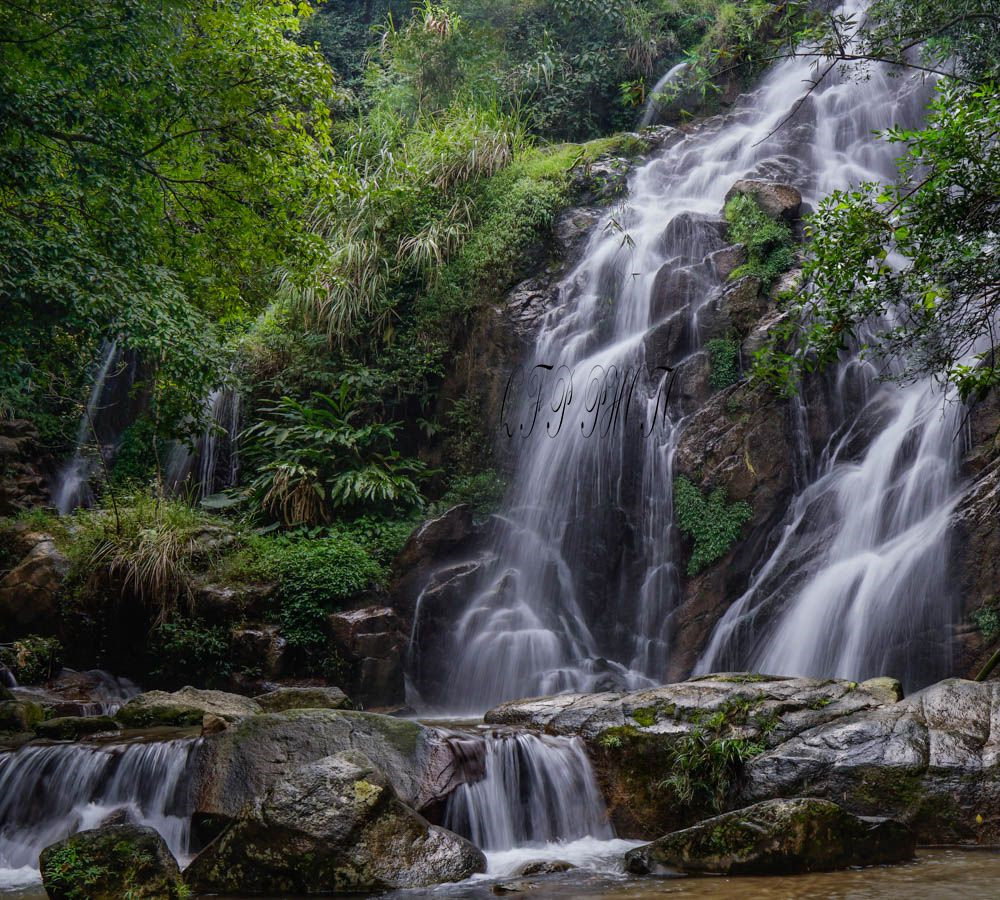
column 317, row 459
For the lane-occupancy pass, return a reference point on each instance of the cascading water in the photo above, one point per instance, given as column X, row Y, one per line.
column 215, row 460
column 73, row 481
column 584, row 569
column 50, row 791
column 537, row 799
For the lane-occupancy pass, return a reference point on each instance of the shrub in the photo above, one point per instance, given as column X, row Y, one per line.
column 33, row 659
column 186, row 650
column 482, row 491
column 724, row 356
column 988, row 622
column 711, row 523
column 769, row 242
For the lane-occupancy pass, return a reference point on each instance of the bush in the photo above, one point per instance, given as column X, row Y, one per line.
column 185, row 651
column 769, row 242
column 712, row 524
column 33, row 659
column 988, row 622
column 482, row 491
column 724, row 356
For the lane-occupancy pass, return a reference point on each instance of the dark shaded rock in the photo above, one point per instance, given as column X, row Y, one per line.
column 744, row 304
column 260, row 648
column 371, row 642
column 111, row 863
column 777, row 837
column 233, row 767
column 223, row 604
column 727, row 260
column 780, row 201
column 29, row 593
column 72, row 728
column 544, row 867
column 185, row 707
column 24, row 465
column 334, row 825
column 303, row 698
column 20, row 716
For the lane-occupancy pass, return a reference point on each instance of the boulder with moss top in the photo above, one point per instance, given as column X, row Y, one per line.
column 333, row 826
column 110, row 863
column 777, row 837
column 72, row 728
column 186, row 707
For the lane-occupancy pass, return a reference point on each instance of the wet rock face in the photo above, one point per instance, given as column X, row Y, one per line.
column 371, row 641
column 260, row 648
column 931, row 760
column 777, row 837
column 109, row 862
column 29, row 593
column 777, row 200
column 334, row 825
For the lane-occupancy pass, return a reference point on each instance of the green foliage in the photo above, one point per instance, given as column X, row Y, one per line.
column 120, row 866
column 724, row 358
column 482, row 491
column 314, row 459
column 768, row 241
column 156, row 167
column 646, row 716
column 987, row 620
column 705, row 762
column 187, row 650
column 712, row 524
column 33, row 659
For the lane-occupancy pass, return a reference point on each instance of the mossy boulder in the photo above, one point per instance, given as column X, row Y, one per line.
column 20, row 715
column 333, row 826
column 304, row 698
column 777, row 837
column 184, row 708
column 111, row 863
column 72, row 728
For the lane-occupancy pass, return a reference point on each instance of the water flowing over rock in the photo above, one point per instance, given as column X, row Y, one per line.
column 581, row 575
column 332, row 826
column 83, row 784
column 777, row 837
column 534, row 790
column 115, row 861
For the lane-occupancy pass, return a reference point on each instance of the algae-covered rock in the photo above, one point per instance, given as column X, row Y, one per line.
column 71, row 728
column 304, row 698
column 185, row 707
column 20, row 715
column 777, row 200
column 335, row 825
column 111, row 863
column 777, row 837
column 233, row 767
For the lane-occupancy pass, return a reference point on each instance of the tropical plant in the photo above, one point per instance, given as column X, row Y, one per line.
column 316, row 459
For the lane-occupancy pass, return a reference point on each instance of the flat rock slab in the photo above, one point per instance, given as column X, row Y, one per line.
column 777, row 837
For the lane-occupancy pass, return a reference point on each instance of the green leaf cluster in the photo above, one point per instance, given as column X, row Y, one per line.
column 712, row 524
column 768, row 241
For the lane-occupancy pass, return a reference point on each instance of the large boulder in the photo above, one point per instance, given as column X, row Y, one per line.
column 110, row 863
column 780, row 201
column 260, row 649
column 29, row 593
column 186, row 707
column 72, row 728
column 371, row 641
column 307, row 697
column 232, row 767
column 333, row 826
column 931, row 761
column 777, row 837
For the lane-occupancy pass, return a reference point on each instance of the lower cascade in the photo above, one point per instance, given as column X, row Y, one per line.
column 534, row 790
column 50, row 791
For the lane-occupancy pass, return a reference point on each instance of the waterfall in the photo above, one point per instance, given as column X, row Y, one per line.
column 73, row 481
column 534, row 790
column 49, row 792
column 584, row 569
column 654, row 103
column 215, row 458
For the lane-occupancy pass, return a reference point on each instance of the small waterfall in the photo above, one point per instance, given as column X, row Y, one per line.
column 73, row 481
column 7, row 678
column 215, row 457
column 534, row 790
column 48, row 792
column 654, row 103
